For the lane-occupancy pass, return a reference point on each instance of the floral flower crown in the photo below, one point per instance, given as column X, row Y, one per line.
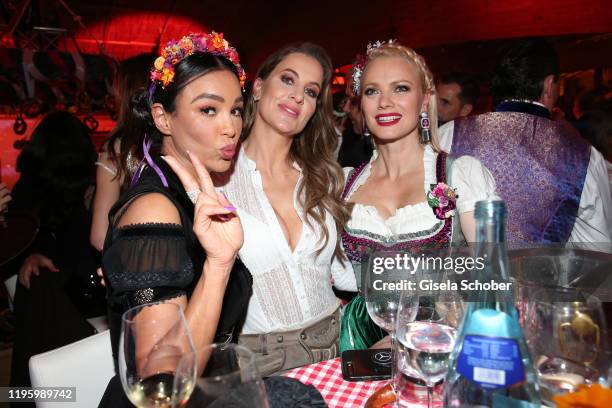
column 212, row 43
column 360, row 61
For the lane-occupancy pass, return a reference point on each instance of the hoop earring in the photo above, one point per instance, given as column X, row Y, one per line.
column 425, row 133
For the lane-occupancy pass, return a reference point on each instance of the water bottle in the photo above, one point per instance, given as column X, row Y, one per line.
column 490, row 364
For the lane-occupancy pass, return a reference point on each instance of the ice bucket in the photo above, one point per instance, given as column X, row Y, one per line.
column 587, row 271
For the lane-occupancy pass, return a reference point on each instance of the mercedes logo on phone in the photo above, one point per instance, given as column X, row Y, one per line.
column 382, row 358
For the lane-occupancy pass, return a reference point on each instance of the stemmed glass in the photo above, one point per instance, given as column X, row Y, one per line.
column 230, row 378
column 566, row 335
column 427, row 324
column 381, row 290
column 156, row 356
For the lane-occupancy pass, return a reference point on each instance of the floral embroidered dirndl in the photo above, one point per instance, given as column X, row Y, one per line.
column 358, row 331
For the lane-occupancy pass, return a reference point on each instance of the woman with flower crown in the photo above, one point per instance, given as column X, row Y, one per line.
column 286, row 185
column 410, row 194
column 192, row 116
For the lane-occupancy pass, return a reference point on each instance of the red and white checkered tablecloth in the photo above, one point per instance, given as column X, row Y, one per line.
column 326, row 377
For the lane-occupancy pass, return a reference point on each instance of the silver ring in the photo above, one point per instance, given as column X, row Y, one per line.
column 193, row 195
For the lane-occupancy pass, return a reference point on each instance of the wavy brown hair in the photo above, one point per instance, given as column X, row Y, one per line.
column 313, row 148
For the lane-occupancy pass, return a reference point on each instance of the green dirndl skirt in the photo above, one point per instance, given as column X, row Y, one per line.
column 358, row 331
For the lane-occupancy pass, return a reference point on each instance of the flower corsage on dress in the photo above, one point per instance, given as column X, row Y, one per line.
column 442, row 198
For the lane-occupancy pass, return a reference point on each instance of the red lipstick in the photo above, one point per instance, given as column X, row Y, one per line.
column 388, row 119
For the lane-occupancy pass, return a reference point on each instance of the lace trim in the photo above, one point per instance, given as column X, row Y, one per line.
column 409, row 236
column 169, row 225
column 129, row 281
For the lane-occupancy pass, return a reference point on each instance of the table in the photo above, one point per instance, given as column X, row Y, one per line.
column 326, row 377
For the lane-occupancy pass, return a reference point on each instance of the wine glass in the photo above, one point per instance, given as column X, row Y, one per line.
column 567, row 337
column 383, row 281
column 155, row 339
column 427, row 324
column 230, row 378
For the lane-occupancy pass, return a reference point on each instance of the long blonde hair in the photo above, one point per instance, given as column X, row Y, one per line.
column 393, row 49
column 313, row 148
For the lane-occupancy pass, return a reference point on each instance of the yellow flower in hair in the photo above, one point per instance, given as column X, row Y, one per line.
column 217, row 40
column 159, row 63
column 167, row 76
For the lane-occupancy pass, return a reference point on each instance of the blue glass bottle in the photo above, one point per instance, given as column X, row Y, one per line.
column 490, row 364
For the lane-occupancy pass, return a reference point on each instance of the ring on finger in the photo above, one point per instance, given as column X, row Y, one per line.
column 193, row 195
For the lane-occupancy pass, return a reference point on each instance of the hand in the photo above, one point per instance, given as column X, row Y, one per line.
column 31, row 266
column 385, row 342
column 101, row 275
column 215, row 222
column 5, row 197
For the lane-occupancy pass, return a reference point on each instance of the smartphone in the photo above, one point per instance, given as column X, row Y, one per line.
column 366, row 365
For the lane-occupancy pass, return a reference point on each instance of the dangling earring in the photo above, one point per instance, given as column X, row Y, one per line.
column 425, row 134
column 366, row 131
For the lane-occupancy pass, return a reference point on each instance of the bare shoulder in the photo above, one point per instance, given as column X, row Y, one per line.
column 150, row 207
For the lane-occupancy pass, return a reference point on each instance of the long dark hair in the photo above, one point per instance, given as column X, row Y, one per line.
column 313, row 148
column 185, row 71
column 131, row 76
column 59, row 165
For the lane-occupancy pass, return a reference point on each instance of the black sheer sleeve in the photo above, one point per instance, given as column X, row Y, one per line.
column 144, row 263
column 147, row 263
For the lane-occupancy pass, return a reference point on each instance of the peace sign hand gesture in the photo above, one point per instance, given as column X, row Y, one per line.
column 215, row 222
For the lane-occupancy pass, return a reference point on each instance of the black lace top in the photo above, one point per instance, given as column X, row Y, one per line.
column 150, row 262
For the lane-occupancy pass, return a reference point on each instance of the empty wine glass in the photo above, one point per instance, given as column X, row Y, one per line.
column 381, row 291
column 155, row 340
column 230, row 378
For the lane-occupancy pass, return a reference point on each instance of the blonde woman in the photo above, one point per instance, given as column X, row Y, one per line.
column 388, row 194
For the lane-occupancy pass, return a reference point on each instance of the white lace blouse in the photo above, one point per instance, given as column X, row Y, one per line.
column 291, row 289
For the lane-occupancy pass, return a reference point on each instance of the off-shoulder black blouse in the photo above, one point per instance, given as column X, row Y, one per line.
column 145, row 263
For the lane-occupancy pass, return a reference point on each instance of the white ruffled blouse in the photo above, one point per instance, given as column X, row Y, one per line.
column 472, row 180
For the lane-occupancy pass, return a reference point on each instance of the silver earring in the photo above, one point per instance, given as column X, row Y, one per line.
column 366, row 131
column 425, row 133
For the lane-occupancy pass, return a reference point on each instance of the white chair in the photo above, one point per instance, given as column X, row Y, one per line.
column 100, row 323
column 86, row 364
